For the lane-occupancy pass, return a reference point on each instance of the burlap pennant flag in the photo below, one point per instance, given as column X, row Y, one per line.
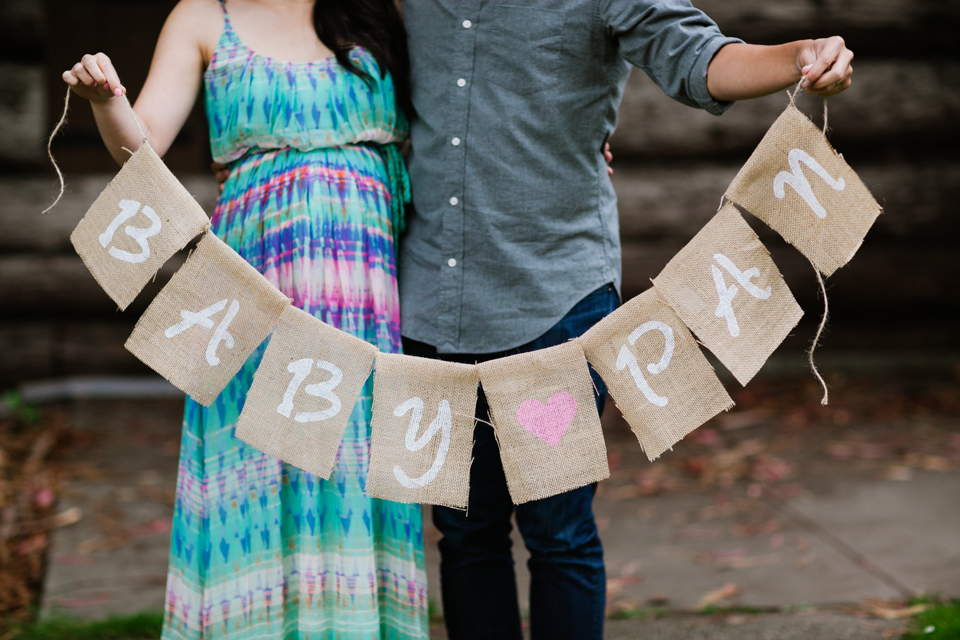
column 725, row 287
column 421, row 442
column 304, row 391
column 140, row 220
column 655, row 372
column 803, row 189
column 545, row 417
column 210, row 317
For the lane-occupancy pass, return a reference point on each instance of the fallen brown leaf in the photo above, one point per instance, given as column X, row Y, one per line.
column 894, row 614
column 713, row 597
column 72, row 515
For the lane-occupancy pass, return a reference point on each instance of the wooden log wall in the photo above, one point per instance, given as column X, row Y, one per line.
column 897, row 128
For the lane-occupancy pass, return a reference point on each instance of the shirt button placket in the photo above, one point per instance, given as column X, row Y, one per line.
column 451, row 280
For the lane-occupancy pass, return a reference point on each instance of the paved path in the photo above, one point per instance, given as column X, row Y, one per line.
column 789, row 524
column 122, row 461
column 813, row 625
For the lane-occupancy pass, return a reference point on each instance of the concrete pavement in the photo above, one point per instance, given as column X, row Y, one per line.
column 771, row 506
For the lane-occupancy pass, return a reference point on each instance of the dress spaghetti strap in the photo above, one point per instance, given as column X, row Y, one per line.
column 229, row 46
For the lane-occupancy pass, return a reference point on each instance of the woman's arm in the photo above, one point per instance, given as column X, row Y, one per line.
column 743, row 71
column 172, row 86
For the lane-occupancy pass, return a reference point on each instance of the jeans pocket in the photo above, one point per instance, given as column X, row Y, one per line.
column 521, row 47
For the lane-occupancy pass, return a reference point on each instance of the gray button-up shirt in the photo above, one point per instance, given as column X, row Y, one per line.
column 515, row 218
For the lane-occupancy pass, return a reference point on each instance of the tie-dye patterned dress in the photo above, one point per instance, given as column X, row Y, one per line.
column 261, row 549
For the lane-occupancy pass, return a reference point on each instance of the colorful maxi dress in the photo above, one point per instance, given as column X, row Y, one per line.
column 261, row 549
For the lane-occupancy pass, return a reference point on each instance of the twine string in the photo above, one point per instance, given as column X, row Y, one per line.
column 795, row 92
column 133, row 114
column 816, row 338
column 825, row 111
column 53, row 134
column 59, row 126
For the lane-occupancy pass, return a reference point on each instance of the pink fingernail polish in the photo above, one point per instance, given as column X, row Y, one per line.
column 117, row 92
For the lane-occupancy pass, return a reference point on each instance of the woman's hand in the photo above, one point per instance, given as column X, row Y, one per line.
column 825, row 66
column 94, row 78
column 173, row 84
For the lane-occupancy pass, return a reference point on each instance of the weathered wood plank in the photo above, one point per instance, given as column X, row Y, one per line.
column 893, row 107
column 867, row 13
column 21, row 30
column 50, row 348
column 883, row 278
column 22, row 228
column 876, row 27
column 919, row 199
column 59, row 285
column 22, row 125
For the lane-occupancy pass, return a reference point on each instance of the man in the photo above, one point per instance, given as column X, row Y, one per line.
column 512, row 244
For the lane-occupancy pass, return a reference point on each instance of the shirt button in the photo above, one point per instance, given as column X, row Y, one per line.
column 461, row 82
column 455, row 142
column 452, row 262
column 454, row 201
column 467, row 24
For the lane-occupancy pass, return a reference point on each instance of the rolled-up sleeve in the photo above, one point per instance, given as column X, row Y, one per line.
column 672, row 41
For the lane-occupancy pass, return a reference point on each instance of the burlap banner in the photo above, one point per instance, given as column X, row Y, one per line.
column 421, row 442
column 725, row 287
column 304, row 391
column 671, row 396
column 545, row 417
column 803, row 189
column 140, row 220
column 203, row 325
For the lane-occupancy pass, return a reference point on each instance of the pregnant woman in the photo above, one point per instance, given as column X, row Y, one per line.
column 305, row 107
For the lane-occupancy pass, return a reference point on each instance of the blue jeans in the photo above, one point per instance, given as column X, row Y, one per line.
column 567, row 578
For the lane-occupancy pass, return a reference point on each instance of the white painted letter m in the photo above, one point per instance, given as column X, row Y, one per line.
column 798, row 181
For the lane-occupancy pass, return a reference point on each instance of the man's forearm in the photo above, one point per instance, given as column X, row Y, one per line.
column 742, row 71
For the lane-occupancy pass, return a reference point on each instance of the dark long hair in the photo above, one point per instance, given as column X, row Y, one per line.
column 376, row 26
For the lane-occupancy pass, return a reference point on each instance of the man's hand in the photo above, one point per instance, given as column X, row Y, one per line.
column 743, row 71
column 825, row 66
column 221, row 172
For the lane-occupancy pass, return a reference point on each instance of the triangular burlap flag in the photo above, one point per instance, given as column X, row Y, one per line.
column 803, row 189
column 725, row 287
column 655, row 372
column 304, row 391
column 421, row 442
column 545, row 417
column 140, row 220
column 203, row 325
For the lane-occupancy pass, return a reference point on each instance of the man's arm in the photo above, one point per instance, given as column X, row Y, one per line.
column 742, row 71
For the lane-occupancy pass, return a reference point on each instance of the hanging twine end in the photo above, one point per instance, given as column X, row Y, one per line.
column 53, row 134
column 816, row 338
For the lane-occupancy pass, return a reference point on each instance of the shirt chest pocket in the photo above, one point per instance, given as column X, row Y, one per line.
column 520, row 48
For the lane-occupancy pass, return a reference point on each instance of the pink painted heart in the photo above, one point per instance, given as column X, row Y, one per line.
column 548, row 421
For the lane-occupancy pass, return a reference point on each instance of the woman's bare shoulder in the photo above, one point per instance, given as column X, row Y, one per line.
column 200, row 21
